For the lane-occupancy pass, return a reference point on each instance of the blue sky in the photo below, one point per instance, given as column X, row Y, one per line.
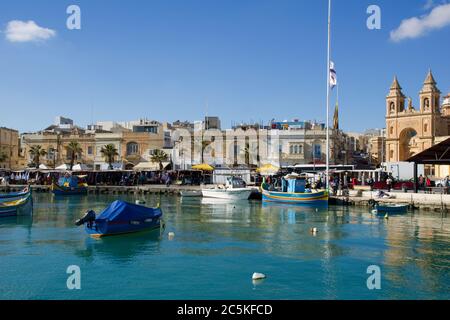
column 246, row 60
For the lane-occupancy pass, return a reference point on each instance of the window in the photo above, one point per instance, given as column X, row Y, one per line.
column 426, row 103
column 132, row 148
column 425, row 127
column 391, row 130
column 392, row 107
column 317, row 151
column 391, row 154
column 90, row 150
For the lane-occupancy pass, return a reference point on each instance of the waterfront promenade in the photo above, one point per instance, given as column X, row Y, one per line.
column 439, row 203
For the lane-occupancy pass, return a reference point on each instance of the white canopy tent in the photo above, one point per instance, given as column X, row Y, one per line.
column 80, row 167
column 63, row 167
column 149, row 166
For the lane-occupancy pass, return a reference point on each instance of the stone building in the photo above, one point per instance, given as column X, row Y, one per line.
column 411, row 130
column 55, row 142
column 134, row 144
column 9, row 149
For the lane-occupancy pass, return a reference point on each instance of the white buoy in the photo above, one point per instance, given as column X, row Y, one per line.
column 314, row 230
column 139, row 202
column 171, row 235
column 258, row 276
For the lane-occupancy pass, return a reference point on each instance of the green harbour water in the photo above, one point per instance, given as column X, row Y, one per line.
column 218, row 246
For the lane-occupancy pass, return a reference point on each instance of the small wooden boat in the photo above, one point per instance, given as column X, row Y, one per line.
column 119, row 218
column 294, row 191
column 14, row 195
column 70, row 185
column 383, row 208
column 17, row 205
column 391, row 208
column 68, row 191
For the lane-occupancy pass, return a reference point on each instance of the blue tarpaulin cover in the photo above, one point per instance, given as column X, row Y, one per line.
column 125, row 211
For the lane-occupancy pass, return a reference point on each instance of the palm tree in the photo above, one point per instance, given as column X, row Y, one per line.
column 159, row 156
column 36, row 153
column 109, row 152
column 73, row 148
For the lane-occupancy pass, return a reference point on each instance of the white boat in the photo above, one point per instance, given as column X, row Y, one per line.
column 191, row 193
column 235, row 189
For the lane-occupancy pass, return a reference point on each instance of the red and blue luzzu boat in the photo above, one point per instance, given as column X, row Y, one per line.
column 119, row 218
column 16, row 204
column 294, row 191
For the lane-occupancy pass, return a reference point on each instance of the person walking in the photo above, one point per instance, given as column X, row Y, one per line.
column 389, row 184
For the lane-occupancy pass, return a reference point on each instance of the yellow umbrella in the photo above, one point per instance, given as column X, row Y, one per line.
column 203, row 167
column 267, row 169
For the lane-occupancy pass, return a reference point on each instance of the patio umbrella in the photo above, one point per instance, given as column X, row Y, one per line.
column 203, row 167
column 268, row 170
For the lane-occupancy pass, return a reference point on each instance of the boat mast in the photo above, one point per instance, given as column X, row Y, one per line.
column 328, row 96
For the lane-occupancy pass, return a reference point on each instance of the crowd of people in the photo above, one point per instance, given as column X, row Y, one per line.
column 112, row 178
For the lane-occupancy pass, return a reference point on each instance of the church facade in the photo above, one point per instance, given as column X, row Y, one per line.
column 409, row 130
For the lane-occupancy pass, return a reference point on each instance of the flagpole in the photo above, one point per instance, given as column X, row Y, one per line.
column 328, row 97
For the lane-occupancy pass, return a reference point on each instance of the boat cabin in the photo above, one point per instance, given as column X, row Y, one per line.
column 293, row 183
column 235, row 183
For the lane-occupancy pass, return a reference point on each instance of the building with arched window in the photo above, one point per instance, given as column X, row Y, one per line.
column 411, row 130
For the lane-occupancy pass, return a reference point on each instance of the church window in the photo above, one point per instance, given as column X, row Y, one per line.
column 425, row 127
column 426, row 103
column 391, row 130
column 392, row 107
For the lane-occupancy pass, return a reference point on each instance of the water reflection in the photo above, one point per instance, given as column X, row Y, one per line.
column 124, row 248
column 222, row 239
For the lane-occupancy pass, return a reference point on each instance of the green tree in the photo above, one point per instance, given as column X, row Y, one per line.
column 36, row 152
column 73, row 149
column 109, row 152
column 159, row 157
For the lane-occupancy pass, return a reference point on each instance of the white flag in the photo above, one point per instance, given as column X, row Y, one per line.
column 333, row 78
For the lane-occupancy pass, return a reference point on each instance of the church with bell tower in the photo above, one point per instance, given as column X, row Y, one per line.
column 411, row 130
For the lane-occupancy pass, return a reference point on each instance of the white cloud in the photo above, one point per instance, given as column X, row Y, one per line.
column 29, row 31
column 416, row 27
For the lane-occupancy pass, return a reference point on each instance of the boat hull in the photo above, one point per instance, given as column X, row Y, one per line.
column 313, row 198
column 16, row 207
column 228, row 194
column 64, row 191
column 391, row 209
column 113, row 229
column 190, row 194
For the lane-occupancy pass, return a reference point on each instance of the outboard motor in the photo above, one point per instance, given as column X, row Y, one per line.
column 88, row 217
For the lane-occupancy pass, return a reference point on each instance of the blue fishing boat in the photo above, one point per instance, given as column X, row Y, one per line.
column 294, row 191
column 386, row 208
column 14, row 195
column 17, row 205
column 119, row 218
column 69, row 185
